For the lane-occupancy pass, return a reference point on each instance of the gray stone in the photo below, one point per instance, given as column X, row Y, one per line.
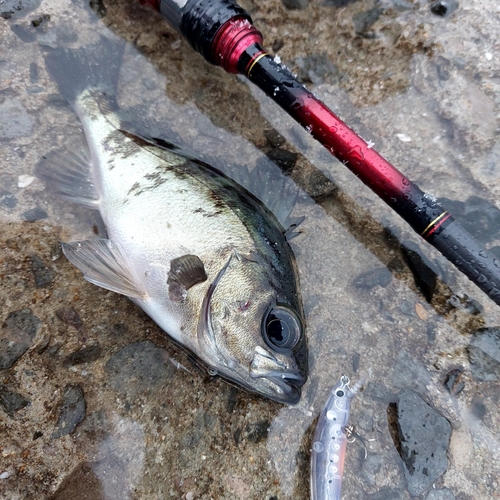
column 484, row 354
column 14, row 120
column 13, row 9
column 7, row 199
column 71, row 411
column 16, row 336
column 139, row 368
column 11, row 401
column 34, row 214
column 84, row 355
column 424, row 436
column 409, row 372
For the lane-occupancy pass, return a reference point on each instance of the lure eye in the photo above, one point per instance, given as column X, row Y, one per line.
column 281, row 328
column 340, row 393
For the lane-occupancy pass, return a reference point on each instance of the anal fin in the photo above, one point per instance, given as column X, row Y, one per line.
column 67, row 173
column 104, row 265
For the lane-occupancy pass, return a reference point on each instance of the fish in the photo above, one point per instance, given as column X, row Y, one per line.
column 330, row 441
column 201, row 255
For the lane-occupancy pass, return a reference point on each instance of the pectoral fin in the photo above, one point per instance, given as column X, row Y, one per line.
column 104, row 265
column 185, row 272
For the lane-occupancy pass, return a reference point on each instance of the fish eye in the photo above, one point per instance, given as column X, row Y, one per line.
column 281, row 328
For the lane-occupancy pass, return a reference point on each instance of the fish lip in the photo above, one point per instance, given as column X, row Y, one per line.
column 289, row 386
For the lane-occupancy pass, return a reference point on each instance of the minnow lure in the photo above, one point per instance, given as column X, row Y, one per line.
column 330, row 442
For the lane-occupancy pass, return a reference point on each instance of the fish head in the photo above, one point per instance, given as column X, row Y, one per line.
column 252, row 334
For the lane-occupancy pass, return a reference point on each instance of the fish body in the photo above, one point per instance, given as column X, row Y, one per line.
column 330, row 442
column 197, row 252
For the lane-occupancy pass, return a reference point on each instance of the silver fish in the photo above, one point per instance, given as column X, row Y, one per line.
column 197, row 252
column 330, row 441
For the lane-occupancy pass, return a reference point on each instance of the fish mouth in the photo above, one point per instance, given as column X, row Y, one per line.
column 279, row 370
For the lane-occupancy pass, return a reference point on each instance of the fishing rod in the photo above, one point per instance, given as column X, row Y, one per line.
column 223, row 33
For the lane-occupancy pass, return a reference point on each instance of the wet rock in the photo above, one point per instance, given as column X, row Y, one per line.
column 444, row 494
column 443, row 8
column 423, row 439
column 285, row 160
column 98, row 7
column 70, row 316
column 139, row 368
column 34, row 214
column 7, row 199
column 484, row 354
column 423, row 270
column 84, row 355
column 71, row 411
column 14, row 120
column 43, row 274
column 274, row 138
column 202, row 422
column 16, row 336
column 11, row 401
column 364, row 20
column 317, row 69
column 380, row 276
column 453, row 381
column 295, row 4
column 81, row 484
column 257, row 431
column 13, row 9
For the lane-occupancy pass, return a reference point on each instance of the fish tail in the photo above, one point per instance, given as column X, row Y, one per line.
column 94, row 66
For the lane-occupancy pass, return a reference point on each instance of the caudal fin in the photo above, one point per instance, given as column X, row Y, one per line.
column 93, row 66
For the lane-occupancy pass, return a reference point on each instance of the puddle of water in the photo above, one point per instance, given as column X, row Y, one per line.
column 96, row 421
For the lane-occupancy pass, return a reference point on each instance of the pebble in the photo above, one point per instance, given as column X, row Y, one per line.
column 16, row 336
column 7, row 199
column 453, row 381
column 43, row 274
column 71, row 411
column 424, row 437
column 14, row 9
column 34, row 214
column 84, row 355
column 11, row 401
column 14, row 120
column 139, row 368
column 484, row 354
column 379, row 276
column 285, row 160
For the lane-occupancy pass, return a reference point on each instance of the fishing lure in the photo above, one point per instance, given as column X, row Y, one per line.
column 330, row 441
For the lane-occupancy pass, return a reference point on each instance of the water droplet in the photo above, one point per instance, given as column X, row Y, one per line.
column 407, row 196
column 482, row 279
column 483, row 254
column 472, row 262
column 296, row 105
column 333, row 129
column 455, row 247
column 405, row 181
column 496, row 263
column 356, row 152
column 330, row 415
